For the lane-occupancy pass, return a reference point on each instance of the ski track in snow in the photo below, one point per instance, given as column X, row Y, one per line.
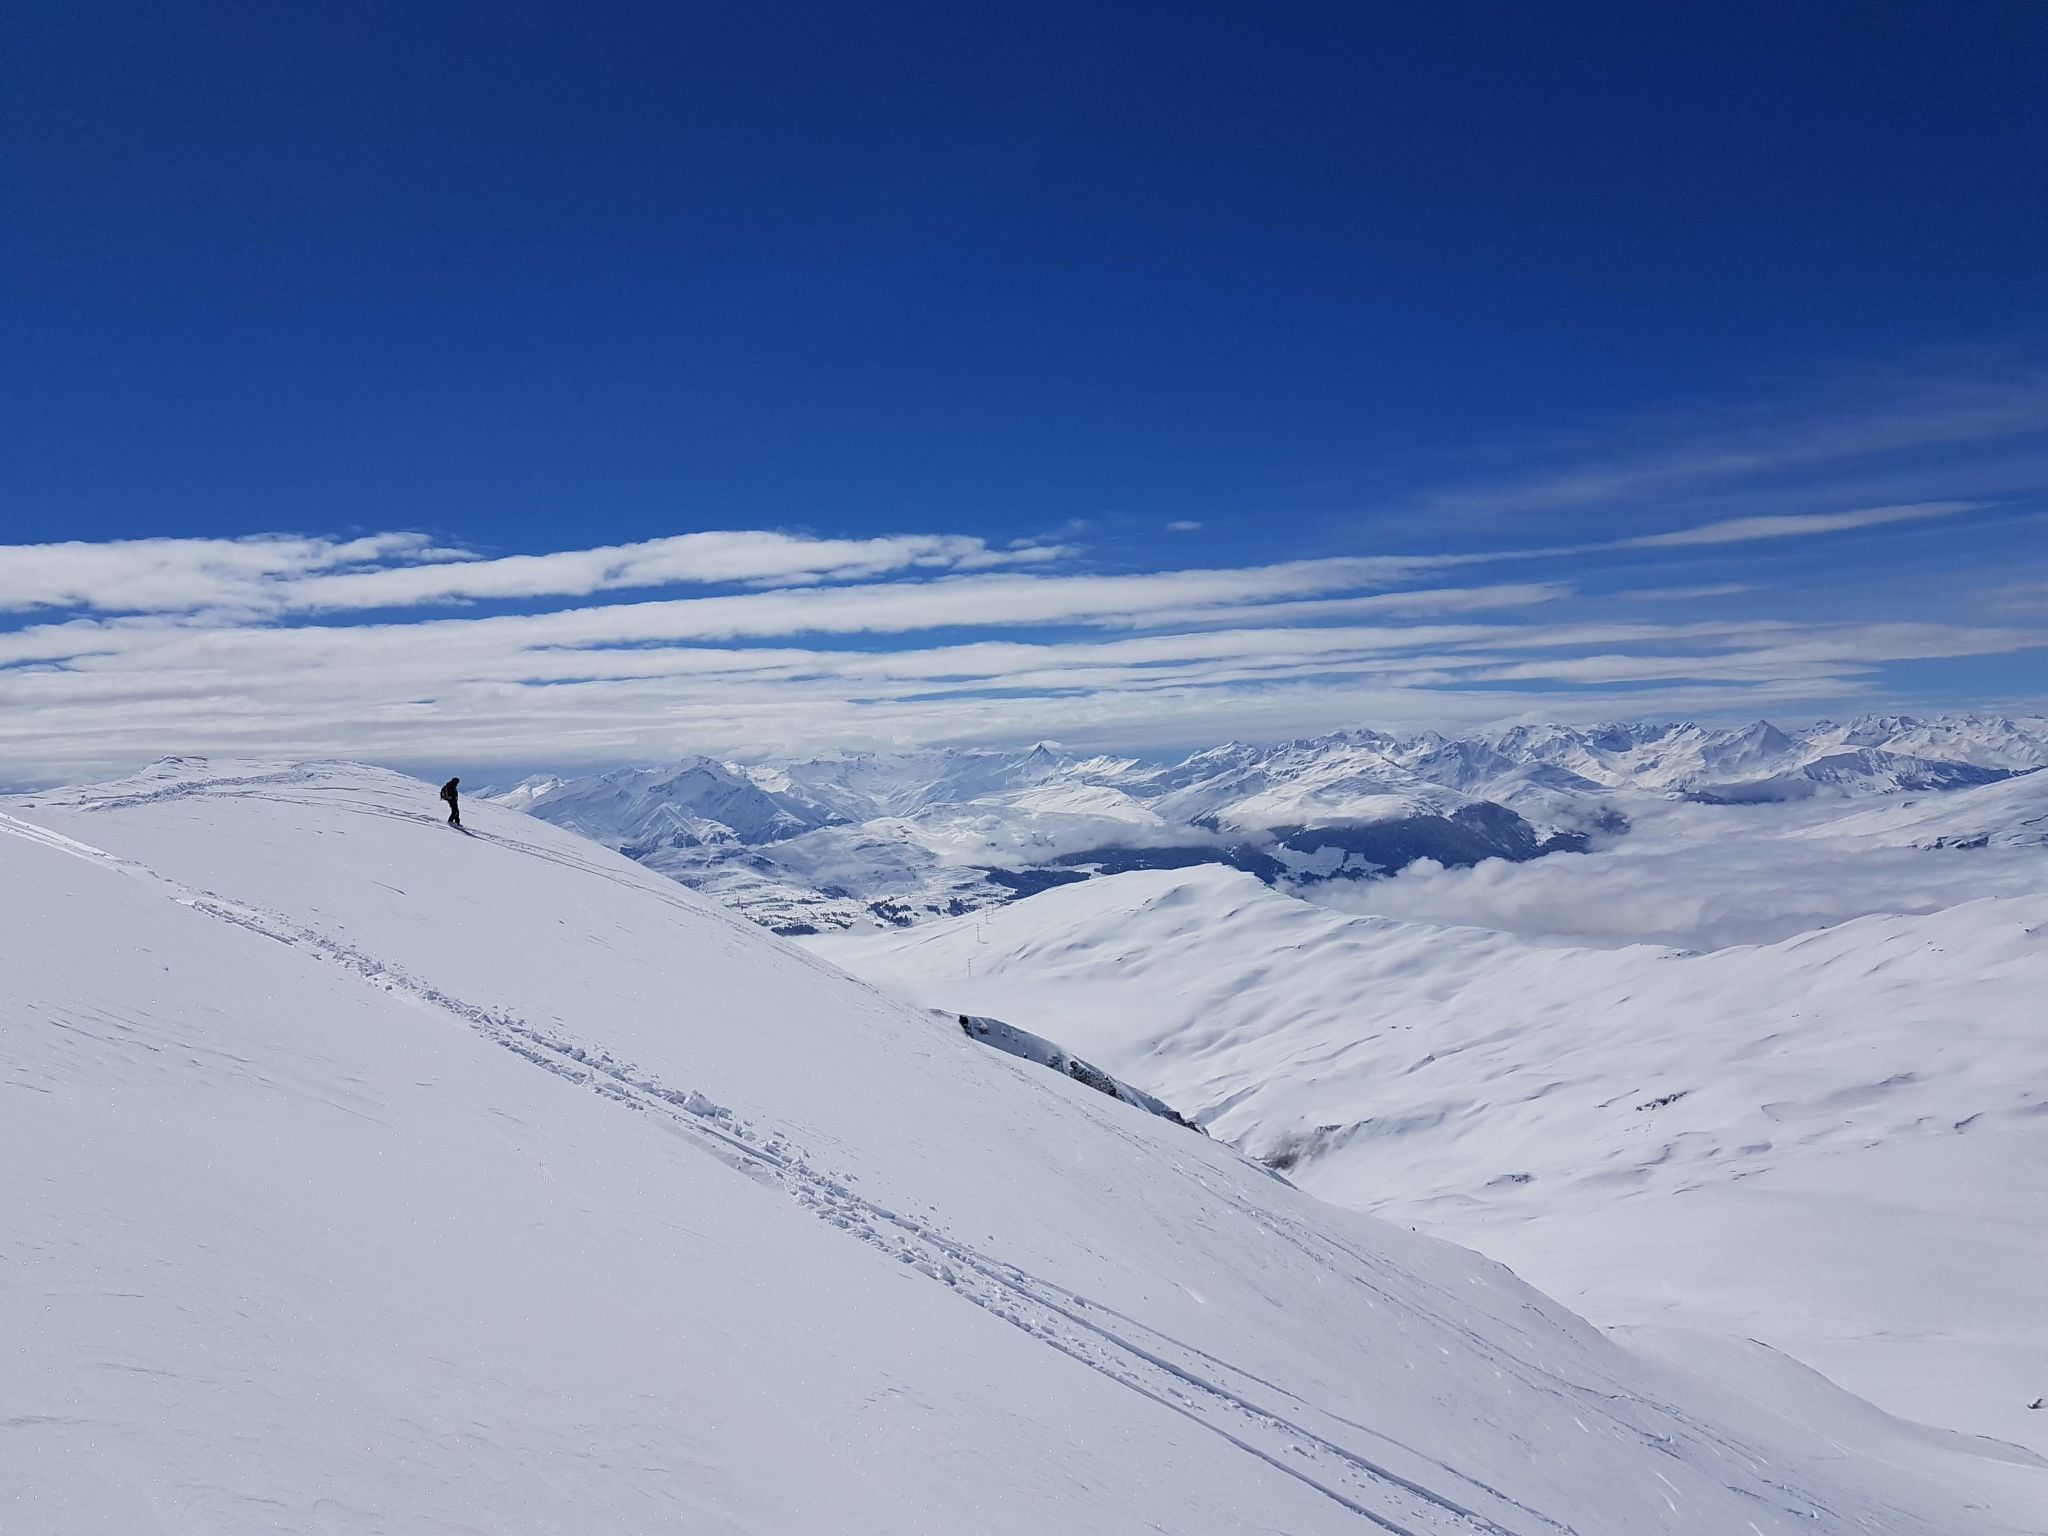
column 1372, row 1474
column 1210, row 1392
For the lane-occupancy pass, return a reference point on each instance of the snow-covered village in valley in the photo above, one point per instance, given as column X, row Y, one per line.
column 1216, row 772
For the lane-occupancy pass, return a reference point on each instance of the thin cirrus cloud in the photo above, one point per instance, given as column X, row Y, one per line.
column 396, row 647
column 278, row 574
column 1698, row 592
column 1977, row 426
column 285, row 574
column 704, row 559
column 1749, row 530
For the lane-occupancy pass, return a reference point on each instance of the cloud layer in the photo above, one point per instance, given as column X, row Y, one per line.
column 1694, row 876
column 397, row 647
column 281, row 574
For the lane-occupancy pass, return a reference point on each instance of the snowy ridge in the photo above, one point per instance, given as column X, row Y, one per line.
column 861, row 839
column 2011, row 814
column 370, row 1176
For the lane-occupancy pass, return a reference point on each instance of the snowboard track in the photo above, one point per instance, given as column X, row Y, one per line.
column 1179, row 1377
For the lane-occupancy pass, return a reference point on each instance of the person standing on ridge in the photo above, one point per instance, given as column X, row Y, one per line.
column 454, row 809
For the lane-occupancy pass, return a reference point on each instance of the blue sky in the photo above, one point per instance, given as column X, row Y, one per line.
column 1120, row 369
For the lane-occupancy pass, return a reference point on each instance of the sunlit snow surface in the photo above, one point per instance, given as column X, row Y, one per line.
column 1815, row 1113
column 360, row 1175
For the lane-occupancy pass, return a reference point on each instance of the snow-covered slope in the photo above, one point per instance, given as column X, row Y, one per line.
column 1988, row 741
column 361, row 1175
column 861, row 839
column 2010, row 814
column 1834, row 1143
column 1024, row 1045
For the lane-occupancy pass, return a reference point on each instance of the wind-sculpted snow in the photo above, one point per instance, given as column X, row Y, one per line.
column 362, row 1175
column 862, row 839
column 1021, row 1043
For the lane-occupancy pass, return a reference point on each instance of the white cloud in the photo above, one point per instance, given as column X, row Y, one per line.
column 1971, row 424
column 176, row 575
column 1431, row 600
column 281, row 574
column 1701, row 877
column 1686, row 594
column 275, row 575
column 1741, row 530
column 233, row 646
column 696, row 559
column 2020, row 597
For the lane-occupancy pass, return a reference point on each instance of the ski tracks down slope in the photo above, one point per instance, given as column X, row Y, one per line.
column 1434, row 1476
column 1160, row 1368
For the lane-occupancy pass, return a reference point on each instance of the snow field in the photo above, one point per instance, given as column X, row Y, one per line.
column 376, row 1178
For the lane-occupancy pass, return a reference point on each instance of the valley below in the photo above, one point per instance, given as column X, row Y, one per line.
column 1754, row 1072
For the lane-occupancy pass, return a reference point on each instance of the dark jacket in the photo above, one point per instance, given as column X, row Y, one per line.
column 448, row 790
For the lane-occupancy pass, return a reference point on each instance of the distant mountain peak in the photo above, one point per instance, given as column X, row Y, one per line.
column 861, row 837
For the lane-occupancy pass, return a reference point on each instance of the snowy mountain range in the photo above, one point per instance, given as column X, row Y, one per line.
column 366, row 1175
column 859, row 839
